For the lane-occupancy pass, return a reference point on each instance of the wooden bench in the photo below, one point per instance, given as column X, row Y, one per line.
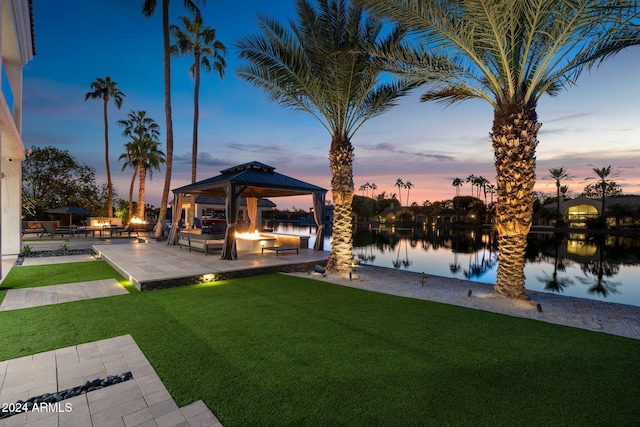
column 200, row 242
column 278, row 249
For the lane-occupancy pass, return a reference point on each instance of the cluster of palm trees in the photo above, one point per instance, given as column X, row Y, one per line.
column 479, row 182
column 143, row 152
column 508, row 53
column 366, row 187
column 334, row 64
column 408, row 185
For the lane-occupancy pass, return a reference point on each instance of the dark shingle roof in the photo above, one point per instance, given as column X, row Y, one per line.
column 219, row 200
column 258, row 180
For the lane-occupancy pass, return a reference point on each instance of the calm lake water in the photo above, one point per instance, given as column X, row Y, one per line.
column 605, row 268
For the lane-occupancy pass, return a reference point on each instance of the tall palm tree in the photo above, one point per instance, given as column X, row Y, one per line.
column 138, row 127
column 148, row 9
column 143, row 155
column 603, row 174
column 557, row 175
column 322, row 65
column 471, row 179
column 408, row 185
column 199, row 40
column 457, row 182
column 400, row 184
column 373, row 187
column 508, row 53
column 106, row 89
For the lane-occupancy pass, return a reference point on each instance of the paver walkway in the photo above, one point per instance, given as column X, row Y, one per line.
column 142, row 401
column 45, row 295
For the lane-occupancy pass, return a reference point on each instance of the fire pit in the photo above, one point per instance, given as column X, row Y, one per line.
column 253, row 242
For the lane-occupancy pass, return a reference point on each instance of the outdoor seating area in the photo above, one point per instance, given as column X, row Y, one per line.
column 200, row 242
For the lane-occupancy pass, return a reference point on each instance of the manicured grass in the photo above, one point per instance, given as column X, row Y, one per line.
column 279, row 350
column 56, row 274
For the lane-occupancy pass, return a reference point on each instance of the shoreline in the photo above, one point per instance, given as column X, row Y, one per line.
column 598, row 316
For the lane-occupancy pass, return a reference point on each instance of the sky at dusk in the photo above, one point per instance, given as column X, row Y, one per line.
column 595, row 124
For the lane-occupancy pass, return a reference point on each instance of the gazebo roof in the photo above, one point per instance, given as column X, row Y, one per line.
column 256, row 180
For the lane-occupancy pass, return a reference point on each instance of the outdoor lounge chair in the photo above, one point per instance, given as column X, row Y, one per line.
column 51, row 230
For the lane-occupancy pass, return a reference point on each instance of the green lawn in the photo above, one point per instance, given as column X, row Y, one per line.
column 279, row 350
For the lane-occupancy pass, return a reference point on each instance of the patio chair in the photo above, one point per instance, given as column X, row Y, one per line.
column 197, row 223
column 50, row 229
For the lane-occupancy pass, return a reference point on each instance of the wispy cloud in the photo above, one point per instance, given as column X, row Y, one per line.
column 390, row 148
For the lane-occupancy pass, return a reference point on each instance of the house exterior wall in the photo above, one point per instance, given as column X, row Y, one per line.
column 16, row 49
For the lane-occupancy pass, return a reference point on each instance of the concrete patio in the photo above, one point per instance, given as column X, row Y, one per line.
column 157, row 265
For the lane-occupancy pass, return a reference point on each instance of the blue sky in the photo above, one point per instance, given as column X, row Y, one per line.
column 592, row 125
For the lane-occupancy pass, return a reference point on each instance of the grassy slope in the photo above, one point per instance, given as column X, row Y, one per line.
column 276, row 350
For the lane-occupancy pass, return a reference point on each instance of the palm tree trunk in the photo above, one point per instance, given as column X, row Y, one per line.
column 143, row 178
column 133, row 181
column 515, row 130
column 342, row 188
column 106, row 160
column 167, row 110
column 196, row 93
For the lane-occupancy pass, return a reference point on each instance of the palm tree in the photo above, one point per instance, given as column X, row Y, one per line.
column 373, row 187
column 559, row 174
column 603, row 174
column 400, row 184
column 471, row 179
column 457, row 182
column 508, row 53
column 408, row 185
column 143, row 155
column 322, row 65
column 148, row 9
column 194, row 38
column 138, row 127
column 106, row 89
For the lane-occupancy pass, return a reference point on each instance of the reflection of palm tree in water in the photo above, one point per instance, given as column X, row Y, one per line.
column 404, row 262
column 479, row 267
column 454, row 267
column 600, row 269
column 555, row 283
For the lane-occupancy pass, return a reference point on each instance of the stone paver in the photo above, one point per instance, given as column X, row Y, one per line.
column 45, row 295
column 142, row 401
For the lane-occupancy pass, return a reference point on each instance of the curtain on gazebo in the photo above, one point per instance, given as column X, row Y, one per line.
column 318, row 216
column 252, row 210
column 229, row 250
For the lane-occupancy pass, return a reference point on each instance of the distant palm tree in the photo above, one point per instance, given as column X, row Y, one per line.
column 139, row 128
column 148, row 9
column 374, row 187
column 143, row 155
column 322, row 65
column 363, row 187
column 194, row 38
column 508, row 53
column 106, row 89
column 557, row 175
column 457, row 182
column 471, row 179
column 400, row 184
column 408, row 185
column 603, row 174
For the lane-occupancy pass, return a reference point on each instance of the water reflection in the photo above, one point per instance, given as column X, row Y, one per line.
column 598, row 267
column 595, row 267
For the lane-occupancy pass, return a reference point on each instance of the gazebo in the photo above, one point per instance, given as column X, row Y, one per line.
column 252, row 181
